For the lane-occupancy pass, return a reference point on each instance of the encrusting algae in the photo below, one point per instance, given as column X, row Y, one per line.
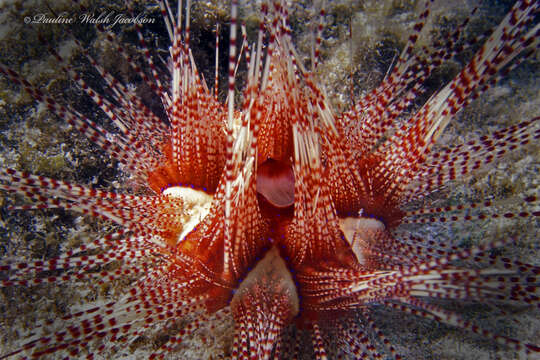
column 369, row 192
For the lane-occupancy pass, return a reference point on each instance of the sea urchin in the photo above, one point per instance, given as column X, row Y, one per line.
column 269, row 206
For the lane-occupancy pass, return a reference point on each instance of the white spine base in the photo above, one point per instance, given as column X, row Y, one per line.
column 197, row 206
column 359, row 232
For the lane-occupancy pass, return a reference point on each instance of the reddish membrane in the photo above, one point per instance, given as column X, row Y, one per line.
column 277, row 210
column 275, row 181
